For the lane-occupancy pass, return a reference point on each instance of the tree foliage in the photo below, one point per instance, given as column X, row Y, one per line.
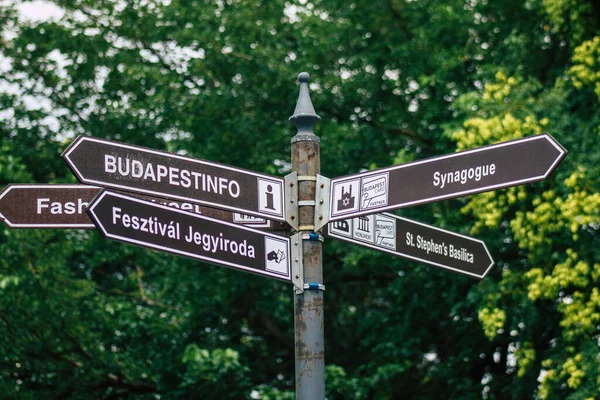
column 393, row 81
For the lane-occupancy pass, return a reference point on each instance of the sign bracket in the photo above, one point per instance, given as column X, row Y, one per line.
column 297, row 264
column 291, row 197
column 322, row 194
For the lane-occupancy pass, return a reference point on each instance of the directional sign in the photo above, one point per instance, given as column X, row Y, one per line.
column 63, row 206
column 46, row 206
column 141, row 222
column 454, row 175
column 415, row 240
column 142, row 170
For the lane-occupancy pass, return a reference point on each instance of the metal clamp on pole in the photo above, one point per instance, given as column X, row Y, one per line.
column 306, row 227
column 313, row 236
column 314, row 286
column 306, row 178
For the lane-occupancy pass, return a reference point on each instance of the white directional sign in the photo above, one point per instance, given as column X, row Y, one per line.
column 141, row 170
column 132, row 220
column 454, row 175
column 416, row 241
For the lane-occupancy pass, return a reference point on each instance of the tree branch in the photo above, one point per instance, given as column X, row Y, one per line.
column 275, row 331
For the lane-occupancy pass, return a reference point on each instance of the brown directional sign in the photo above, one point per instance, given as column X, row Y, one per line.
column 46, row 206
column 132, row 220
column 416, row 241
column 454, row 175
column 63, row 206
column 141, row 170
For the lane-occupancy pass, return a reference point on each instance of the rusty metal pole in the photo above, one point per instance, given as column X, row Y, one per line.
column 308, row 306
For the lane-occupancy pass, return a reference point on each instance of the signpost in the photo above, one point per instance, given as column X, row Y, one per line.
column 416, row 241
column 184, row 224
column 132, row 220
column 63, row 206
column 141, row 170
column 454, row 175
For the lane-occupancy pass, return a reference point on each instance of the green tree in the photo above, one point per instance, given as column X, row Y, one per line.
column 82, row 317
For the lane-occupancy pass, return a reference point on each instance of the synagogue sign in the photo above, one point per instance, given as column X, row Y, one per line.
column 454, row 175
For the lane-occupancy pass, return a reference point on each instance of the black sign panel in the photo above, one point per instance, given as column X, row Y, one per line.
column 142, row 170
column 144, row 223
column 416, row 241
column 46, row 206
column 454, row 175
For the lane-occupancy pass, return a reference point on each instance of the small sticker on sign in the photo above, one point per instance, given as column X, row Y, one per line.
column 276, row 256
column 270, row 198
column 374, row 191
column 345, row 196
column 250, row 220
column 385, row 232
column 363, row 228
column 342, row 227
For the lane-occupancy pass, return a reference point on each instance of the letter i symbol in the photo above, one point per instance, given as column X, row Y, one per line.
column 269, row 198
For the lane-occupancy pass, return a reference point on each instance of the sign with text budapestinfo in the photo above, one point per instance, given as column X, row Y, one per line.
column 141, row 170
column 144, row 223
column 454, row 175
column 416, row 241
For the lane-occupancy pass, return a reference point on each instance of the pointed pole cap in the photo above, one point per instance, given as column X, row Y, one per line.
column 304, row 116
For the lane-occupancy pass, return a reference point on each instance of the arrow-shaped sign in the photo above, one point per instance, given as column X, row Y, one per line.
column 46, row 206
column 63, row 206
column 141, row 170
column 416, row 241
column 144, row 223
column 454, row 175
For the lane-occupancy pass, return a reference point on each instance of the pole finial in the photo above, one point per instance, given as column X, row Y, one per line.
column 304, row 116
column 304, row 77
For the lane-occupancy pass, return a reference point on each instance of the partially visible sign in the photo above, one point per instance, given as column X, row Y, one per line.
column 132, row 220
column 453, row 175
column 46, row 206
column 416, row 241
column 63, row 206
column 141, row 170
column 249, row 220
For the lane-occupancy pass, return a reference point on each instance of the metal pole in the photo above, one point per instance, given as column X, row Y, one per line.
column 308, row 306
